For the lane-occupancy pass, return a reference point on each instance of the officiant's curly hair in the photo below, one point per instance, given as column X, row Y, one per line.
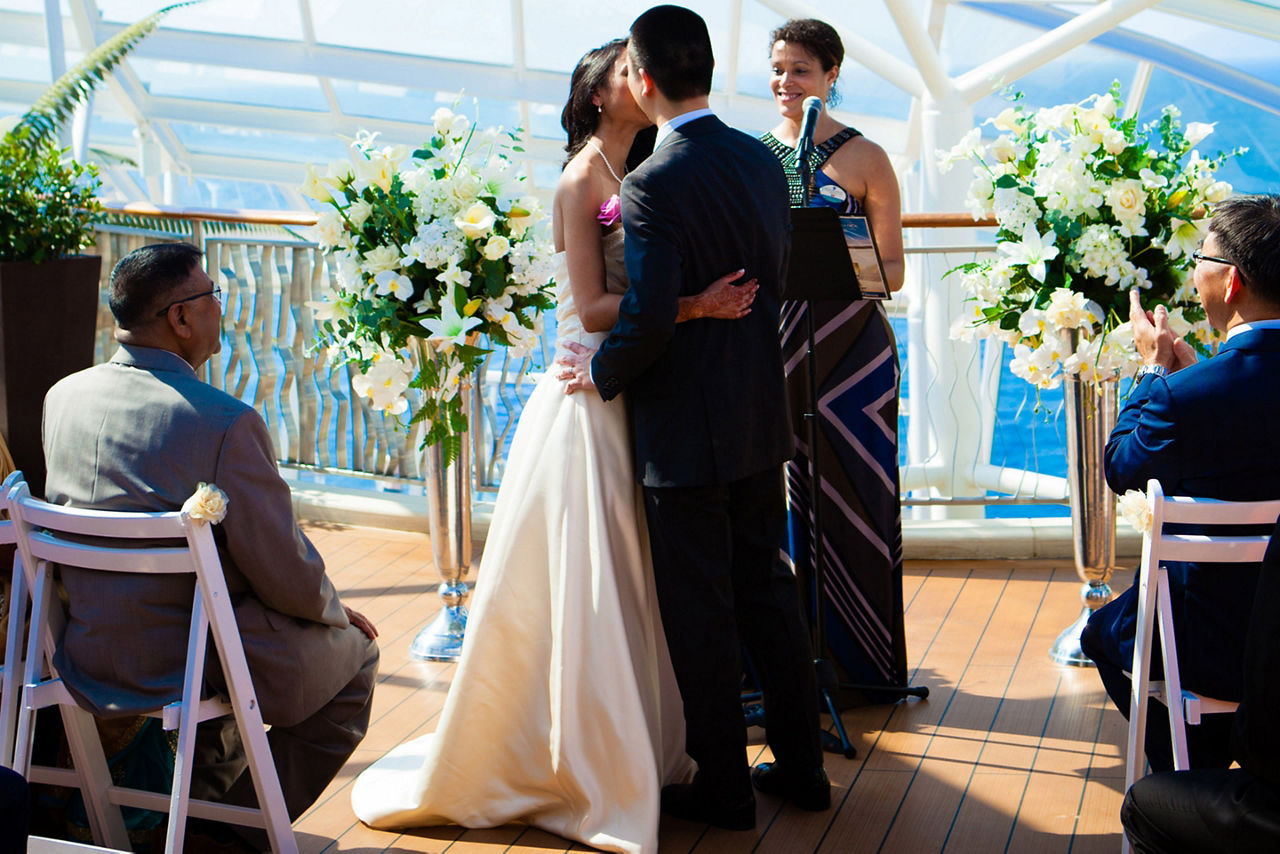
column 816, row 38
column 580, row 117
column 146, row 277
column 672, row 45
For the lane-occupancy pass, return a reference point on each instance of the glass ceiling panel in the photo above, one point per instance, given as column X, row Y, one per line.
column 544, row 121
column 278, row 19
column 241, row 142
column 230, row 85
column 559, row 32
column 478, row 32
column 1249, row 53
column 1236, row 124
column 28, row 64
column 400, row 103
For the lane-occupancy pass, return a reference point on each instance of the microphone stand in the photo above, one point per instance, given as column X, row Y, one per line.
column 828, row 682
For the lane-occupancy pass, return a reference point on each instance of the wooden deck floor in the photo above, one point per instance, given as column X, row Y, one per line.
column 1009, row 753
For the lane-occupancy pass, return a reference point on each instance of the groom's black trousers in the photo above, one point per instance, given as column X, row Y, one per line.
column 720, row 585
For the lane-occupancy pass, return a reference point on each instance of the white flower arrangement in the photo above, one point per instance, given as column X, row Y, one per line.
column 206, row 504
column 430, row 248
column 1086, row 209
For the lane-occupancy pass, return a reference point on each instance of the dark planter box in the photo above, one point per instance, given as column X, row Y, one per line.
column 48, row 315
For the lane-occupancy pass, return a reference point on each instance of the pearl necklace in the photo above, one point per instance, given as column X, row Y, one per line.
column 591, row 142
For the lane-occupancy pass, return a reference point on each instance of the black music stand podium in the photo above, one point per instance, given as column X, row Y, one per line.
column 826, row 272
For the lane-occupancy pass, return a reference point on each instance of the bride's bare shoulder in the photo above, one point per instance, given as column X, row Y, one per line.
column 578, row 185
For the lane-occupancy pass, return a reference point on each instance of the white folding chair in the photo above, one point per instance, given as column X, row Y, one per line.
column 1155, row 610
column 17, row 606
column 45, row 535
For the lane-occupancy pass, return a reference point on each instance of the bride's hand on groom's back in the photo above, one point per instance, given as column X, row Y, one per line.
column 722, row 300
column 575, row 368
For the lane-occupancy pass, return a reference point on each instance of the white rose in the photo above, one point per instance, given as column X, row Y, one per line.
column 1134, row 508
column 381, row 258
column 358, row 212
column 207, row 504
column 1217, row 191
column 496, row 247
column 329, row 230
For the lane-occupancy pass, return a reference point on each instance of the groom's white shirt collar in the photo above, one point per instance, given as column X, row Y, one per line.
column 1272, row 323
column 683, row 118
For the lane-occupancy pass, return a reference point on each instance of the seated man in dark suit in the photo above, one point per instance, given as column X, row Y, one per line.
column 1205, row 429
column 1233, row 810
column 140, row 433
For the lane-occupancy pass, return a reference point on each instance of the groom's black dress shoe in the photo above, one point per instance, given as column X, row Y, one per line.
column 692, row 802
column 809, row 791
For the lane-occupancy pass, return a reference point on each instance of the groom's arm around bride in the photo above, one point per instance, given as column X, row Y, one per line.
column 711, row 428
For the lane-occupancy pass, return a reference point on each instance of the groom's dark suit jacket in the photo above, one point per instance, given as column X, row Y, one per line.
column 707, row 397
column 1210, row 430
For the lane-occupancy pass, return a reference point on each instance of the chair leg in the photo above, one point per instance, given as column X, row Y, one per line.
column 14, row 665
column 105, row 819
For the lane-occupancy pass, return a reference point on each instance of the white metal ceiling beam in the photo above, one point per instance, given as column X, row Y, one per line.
column 309, row 38
column 1137, row 89
column 1218, row 76
column 991, row 76
column 123, row 83
column 1246, row 17
column 53, row 39
column 916, row 37
column 876, row 59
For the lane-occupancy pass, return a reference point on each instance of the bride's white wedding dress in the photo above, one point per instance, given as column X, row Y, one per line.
column 564, row 711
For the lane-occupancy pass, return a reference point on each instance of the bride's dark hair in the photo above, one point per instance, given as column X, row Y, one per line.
column 580, row 117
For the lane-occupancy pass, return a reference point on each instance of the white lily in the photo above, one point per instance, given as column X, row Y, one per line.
column 450, row 328
column 1033, row 251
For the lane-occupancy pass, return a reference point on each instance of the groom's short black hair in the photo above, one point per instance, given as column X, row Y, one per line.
column 671, row 43
column 1248, row 232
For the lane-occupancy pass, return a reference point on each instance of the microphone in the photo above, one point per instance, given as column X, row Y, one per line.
column 812, row 109
column 804, row 146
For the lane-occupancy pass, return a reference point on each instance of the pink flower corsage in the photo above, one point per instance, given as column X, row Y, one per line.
column 610, row 211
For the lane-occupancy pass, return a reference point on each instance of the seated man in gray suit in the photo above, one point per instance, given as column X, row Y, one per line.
column 139, row 433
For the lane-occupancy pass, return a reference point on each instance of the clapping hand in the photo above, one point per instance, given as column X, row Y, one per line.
column 576, row 367
column 1155, row 340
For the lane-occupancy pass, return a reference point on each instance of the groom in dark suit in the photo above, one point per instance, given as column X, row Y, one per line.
column 711, row 430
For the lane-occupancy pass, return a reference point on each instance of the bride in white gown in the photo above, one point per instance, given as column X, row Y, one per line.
column 564, row 711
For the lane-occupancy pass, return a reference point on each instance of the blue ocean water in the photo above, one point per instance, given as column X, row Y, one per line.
column 1030, row 430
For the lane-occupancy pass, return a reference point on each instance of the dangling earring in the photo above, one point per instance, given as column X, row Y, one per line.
column 599, row 108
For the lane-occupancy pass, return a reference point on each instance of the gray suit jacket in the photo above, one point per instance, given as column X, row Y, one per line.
column 138, row 434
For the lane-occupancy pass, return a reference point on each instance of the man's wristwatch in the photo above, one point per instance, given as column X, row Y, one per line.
column 1153, row 370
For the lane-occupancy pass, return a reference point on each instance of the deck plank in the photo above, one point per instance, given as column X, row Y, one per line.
column 1009, row 753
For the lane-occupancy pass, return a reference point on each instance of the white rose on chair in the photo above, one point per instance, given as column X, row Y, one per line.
column 207, row 504
column 1136, row 511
